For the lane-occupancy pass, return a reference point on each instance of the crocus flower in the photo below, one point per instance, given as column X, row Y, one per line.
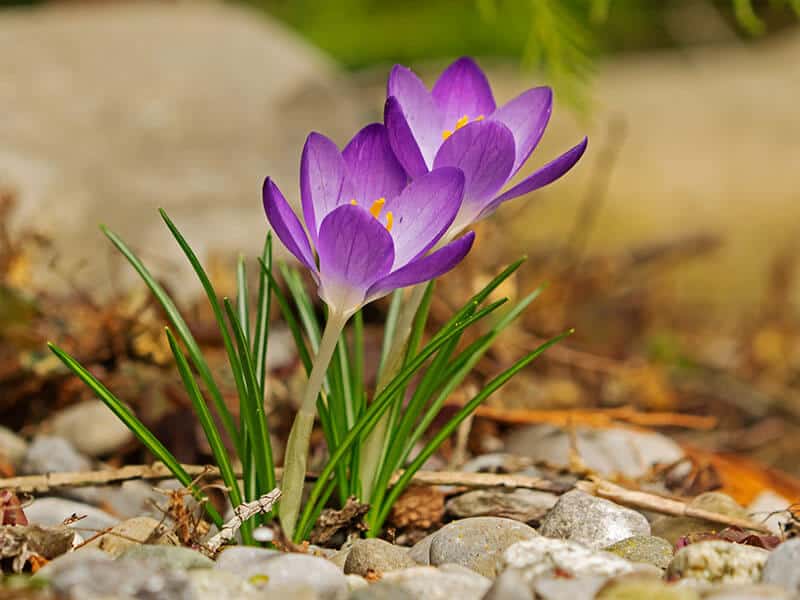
column 458, row 124
column 371, row 231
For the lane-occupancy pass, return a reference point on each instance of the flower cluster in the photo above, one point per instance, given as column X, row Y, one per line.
column 386, row 212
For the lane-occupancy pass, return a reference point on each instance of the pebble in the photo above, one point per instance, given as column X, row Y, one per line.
column 718, row 562
column 477, row 543
column 770, row 509
column 783, row 566
column 748, row 592
column 434, row 584
column 673, row 528
column 382, row 590
column 559, row 588
column 644, row 549
column 175, row 557
column 635, row 588
column 276, row 574
column 244, row 561
column 356, row 582
column 613, row 451
column 54, row 511
column 509, row 585
column 546, row 557
column 421, row 551
column 49, row 454
column 593, row 522
column 376, row 556
column 212, row 584
column 518, row 504
column 90, row 427
column 133, row 532
column 12, row 447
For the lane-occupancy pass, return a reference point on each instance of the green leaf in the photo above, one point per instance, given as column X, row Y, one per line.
column 144, row 435
column 261, row 333
column 184, row 334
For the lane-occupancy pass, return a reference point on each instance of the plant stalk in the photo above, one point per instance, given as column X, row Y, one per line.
column 297, row 445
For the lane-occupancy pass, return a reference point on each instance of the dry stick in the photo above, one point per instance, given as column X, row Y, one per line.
column 242, row 513
column 596, row 487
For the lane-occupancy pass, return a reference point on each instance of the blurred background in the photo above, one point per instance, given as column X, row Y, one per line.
column 671, row 246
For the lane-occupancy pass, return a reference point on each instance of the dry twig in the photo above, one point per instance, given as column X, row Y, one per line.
column 242, row 513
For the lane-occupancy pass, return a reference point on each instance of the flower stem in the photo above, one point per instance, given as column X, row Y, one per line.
column 374, row 448
column 297, row 445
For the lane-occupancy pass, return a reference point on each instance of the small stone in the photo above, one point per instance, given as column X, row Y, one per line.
column 558, row 588
column 748, row 592
column 291, row 570
column 771, row 509
column 649, row 589
column 54, row 511
column 593, row 522
column 244, row 561
column 477, row 543
column 783, row 566
column 509, row 585
column 356, row 582
column 49, row 454
column 12, row 447
column 547, row 557
column 644, row 549
column 718, row 562
column 133, row 532
column 421, row 551
column 518, row 504
column 90, row 427
column 432, row 584
column 213, row 584
column 673, row 528
column 176, row 557
column 382, row 591
column 377, row 557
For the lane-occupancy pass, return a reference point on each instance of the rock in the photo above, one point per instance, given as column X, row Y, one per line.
column 434, row 584
column 783, row 566
column 12, row 447
column 151, row 129
column 558, row 588
column 644, row 549
column 497, row 462
column 382, row 591
column 421, row 551
column 518, row 504
column 134, row 499
column 49, row 454
column 376, row 556
column 509, row 585
column 607, row 451
column 214, row 584
column 54, row 511
column 69, row 561
column 133, row 532
column 90, row 427
column 297, row 570
column 718, row 562
column 593, row 522
column 175, row 557
column 673, row 528
column 748, row 592
column 244, row 561
column 356, row 582
column 477, row 543
column 87, row 575
column 18, row 543
column 546, row 557
column 770, row 509
column 650, row 589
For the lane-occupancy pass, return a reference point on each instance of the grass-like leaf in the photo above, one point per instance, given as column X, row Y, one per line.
column 150, row 441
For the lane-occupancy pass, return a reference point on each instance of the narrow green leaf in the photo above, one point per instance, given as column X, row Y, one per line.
column 143, row 434
column 389, row 327
column 242, row 300
column 261, row 333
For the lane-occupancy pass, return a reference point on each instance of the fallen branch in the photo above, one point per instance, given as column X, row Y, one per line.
column 597, row 487
column 242, row 513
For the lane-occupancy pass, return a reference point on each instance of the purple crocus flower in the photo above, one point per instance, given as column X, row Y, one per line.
column 458, row 124
column 371, row 231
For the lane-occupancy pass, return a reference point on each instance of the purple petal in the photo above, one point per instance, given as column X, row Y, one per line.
column 402, row 139
column 355, row 250
column 526, row 116
column 423, row 212
column 323, row 180
column 372, row 166
column 423, row 117
column 484, row 151
column 547, row 174
column 462, row 89
column 286, row 225
column 424, row 269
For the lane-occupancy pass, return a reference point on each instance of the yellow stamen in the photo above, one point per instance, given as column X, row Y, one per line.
column 389, row 220
column 377, row 207
column 479, row 118
column 446, row 134
column 353, row 202
column 461, row 122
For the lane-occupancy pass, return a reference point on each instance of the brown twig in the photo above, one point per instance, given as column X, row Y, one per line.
column 597, row 487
